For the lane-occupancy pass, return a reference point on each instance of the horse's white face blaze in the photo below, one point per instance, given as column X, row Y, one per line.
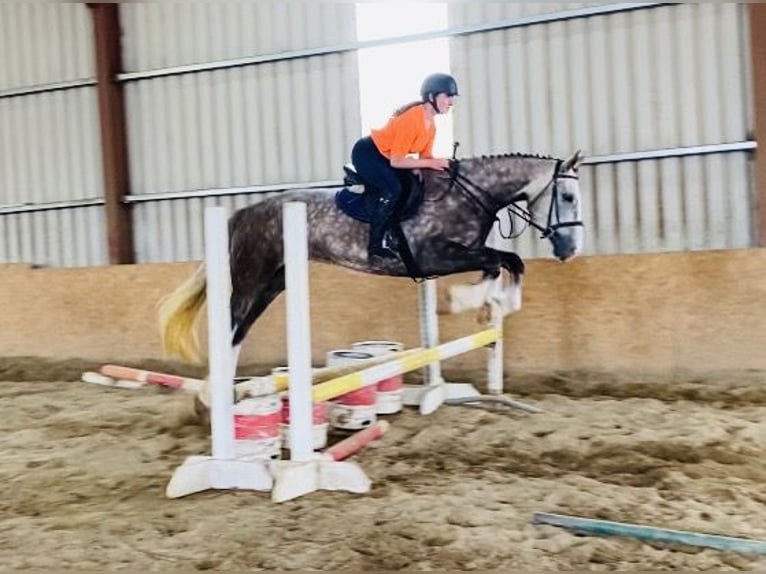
column 567, row 241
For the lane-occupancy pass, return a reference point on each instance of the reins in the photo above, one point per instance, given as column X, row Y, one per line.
column 474, row 193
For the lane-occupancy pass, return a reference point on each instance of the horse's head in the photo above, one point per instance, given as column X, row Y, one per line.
column 549, row 187
column 556, row 209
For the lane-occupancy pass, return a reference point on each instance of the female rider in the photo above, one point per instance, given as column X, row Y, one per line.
column 378, row 157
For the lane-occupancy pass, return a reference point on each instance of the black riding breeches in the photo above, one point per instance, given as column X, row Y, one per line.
column 375, row 170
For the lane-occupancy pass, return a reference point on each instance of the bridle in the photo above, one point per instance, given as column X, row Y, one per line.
column 552, row 225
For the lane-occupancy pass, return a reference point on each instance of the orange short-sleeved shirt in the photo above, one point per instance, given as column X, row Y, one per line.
column 405, row 134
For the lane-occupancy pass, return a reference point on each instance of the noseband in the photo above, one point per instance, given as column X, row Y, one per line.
column 468, row 187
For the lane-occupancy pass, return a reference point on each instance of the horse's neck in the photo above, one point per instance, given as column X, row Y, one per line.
column 502, row 179
column 513, row 176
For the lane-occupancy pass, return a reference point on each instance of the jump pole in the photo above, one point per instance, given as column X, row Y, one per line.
column 221, row 470
column 651, row 534
column 306, row 471
column 152, row 378
column 424, row 358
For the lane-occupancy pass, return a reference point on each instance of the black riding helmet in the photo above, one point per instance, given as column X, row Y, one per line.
column 437, row 84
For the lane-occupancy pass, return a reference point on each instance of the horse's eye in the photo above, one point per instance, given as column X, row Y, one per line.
column 568, row 197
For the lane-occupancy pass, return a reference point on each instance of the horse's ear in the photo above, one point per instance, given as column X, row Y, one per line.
column 573, row 162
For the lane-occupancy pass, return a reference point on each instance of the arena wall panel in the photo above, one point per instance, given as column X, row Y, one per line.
column 685, row 312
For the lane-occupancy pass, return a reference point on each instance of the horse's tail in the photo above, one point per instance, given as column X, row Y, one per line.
column 178, row 315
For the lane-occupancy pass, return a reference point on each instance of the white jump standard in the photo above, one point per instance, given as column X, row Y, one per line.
column 306, row 471
column 436, row 390
column 222, row 470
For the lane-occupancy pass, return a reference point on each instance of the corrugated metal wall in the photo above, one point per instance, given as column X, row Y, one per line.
column 49, row 146
column 275, row 122
column 656, row 78
column 649, row 79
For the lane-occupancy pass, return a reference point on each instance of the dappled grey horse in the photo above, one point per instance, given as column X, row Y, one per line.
column 446, row 235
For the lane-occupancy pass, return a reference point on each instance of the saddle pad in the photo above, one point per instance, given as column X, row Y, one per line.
column 361, row 206
column 355, row 205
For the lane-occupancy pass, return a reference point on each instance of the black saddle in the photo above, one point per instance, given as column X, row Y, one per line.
column 358, row 199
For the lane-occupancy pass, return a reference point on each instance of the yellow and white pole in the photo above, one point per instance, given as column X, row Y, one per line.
column 281, row 380
column 347, row 383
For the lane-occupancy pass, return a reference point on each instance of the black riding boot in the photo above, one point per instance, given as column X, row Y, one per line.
column 381, row 242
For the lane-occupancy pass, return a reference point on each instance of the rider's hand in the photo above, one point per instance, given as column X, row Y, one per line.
column 438, row 163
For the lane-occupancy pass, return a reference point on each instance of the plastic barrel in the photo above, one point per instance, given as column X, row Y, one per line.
column 256, row 427
column 318, row 423
column 357, row 409
column 389, row 391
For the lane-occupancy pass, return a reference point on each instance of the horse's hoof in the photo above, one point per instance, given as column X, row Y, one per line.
column 484, row 316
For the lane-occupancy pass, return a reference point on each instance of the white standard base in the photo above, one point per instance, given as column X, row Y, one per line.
column 431, row 397
column 199, row 473
column 296, row 478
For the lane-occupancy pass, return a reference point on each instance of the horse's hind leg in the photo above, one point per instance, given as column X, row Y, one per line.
column 480, row 295
column 463, row 297
column 246, row 307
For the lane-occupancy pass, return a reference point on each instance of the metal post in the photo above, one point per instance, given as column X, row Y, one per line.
column 114, row 140
column 757, row 18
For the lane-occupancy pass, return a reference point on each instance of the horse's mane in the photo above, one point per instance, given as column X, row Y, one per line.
column 518, row 155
